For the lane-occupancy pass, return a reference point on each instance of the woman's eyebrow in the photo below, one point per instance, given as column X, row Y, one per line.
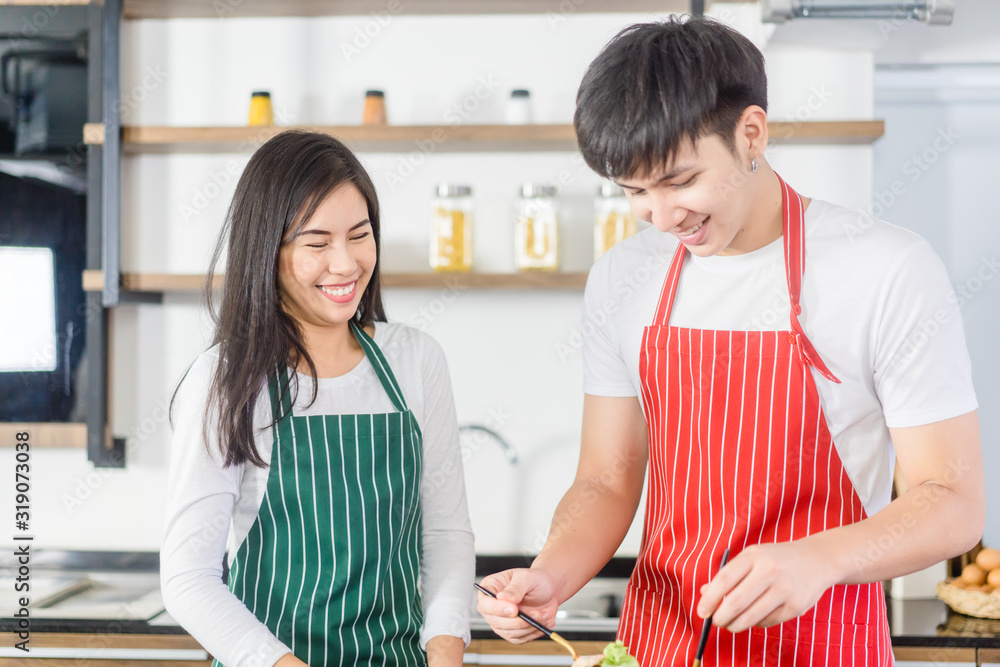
column 364, row 222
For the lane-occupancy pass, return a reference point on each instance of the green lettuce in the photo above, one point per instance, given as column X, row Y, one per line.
column 616, row 655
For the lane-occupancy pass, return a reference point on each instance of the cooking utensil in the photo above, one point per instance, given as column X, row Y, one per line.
column 554, row 636
column 708, row 621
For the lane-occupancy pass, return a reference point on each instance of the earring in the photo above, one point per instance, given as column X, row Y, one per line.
column 753, row 166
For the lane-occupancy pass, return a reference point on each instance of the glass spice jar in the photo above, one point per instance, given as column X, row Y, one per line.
column 374, row 113
column 451, row 228
column 536, row 229
column 519, row 107
column 613, row 218
column 261, row 111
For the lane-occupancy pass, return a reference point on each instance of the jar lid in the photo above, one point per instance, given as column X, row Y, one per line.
column 534, row 190
column 260, row 93
column 609, row 190
column 450, row 190
column 374, row 93
column 520, row 92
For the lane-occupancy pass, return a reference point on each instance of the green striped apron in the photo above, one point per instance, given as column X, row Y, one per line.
column 331, row 563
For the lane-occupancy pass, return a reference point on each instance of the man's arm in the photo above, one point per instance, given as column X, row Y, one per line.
column 942, row 514
column 589, row 524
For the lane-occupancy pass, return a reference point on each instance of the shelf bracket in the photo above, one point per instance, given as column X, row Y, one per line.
column 111, row 21
column 103, row 204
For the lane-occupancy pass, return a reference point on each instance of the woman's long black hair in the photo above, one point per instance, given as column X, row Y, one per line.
column 281, row 187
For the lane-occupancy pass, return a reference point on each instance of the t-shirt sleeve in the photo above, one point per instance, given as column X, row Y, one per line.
column 201, row 494
column 448, row 566
column 922, row 370
column 605, row 371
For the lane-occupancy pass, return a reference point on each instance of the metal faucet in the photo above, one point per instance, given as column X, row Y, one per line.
column 508, row 449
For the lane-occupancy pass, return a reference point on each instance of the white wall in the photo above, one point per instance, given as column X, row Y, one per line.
column 502, row 346
column 940, row 150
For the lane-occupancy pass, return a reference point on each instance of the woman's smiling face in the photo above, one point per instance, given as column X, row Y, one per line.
column 324, row 269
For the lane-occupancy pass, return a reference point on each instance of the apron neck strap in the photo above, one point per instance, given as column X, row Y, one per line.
column 281, row 399
column 381, row 367
column 793, row 224
column 794, row 237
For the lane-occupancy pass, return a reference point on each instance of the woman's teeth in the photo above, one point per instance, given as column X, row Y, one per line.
column 339, row 291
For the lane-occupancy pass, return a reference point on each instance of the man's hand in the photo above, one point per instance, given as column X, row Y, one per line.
column 940, row 515
column 289, row 660
column 530, row 591
column 767, row 584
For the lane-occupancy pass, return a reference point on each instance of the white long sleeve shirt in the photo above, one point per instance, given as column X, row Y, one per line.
column 210, row 507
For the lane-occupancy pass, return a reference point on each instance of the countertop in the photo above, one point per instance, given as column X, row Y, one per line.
column 913, row 623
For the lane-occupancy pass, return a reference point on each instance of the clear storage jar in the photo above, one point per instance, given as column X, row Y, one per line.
column 536, row 229
column 614, row 220
column 451, row 228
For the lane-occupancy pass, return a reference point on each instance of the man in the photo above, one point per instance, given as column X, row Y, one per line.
column 781, row 363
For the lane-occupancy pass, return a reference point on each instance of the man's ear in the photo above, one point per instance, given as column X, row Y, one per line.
column 751, row 132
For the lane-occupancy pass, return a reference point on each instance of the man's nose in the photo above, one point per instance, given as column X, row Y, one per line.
column 666, row 214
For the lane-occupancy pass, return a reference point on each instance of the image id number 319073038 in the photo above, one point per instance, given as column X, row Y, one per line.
column 22, row 538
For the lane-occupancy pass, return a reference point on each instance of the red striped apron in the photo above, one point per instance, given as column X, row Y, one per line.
column 740, row 454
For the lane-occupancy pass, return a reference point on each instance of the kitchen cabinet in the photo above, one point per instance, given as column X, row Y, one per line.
column 99, row 649
column 920, row 656
column 500, row 653
column 989, row 656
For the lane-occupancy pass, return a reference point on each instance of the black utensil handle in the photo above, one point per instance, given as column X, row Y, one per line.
column 524, row 617
column 703, row 641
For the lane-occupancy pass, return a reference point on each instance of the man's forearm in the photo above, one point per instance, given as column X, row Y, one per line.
column 589, row 524
column 927, row 524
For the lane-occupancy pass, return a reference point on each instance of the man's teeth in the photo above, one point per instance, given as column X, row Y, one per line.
column 692, row 230
column 339, row 291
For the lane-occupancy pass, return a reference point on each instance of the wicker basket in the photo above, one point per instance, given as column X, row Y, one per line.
column 971, row 603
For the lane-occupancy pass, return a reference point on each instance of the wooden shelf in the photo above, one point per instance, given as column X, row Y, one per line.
column 93, row 281
column 177, row 9
column 433, row 139
column 160, row 9
column 45, row 434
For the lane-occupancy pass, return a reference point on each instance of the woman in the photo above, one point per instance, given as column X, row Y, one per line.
column 315, row 435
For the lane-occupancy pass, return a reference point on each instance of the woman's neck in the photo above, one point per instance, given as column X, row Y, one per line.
column 333, row 349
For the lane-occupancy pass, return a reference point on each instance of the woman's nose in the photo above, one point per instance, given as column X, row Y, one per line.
column 340, row 259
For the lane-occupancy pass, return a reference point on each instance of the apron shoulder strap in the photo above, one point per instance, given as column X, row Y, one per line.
column 281, row 394
column 381, row 367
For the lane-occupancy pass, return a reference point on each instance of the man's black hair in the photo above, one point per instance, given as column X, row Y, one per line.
column 656, row 84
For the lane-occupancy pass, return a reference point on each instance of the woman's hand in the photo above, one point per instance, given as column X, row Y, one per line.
column 289, row 660
column 528, row 590
column 767, row 584
column 445, row 651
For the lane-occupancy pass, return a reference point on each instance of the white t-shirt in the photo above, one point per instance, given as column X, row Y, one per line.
column 206, row 502
column 876, row 304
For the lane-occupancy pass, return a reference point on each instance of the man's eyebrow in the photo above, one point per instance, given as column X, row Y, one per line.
column 673, row 173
